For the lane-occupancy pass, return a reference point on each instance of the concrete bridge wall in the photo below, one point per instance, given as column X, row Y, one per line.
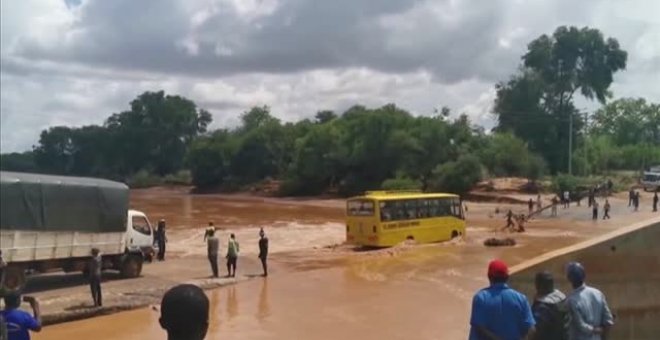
column 624, row 264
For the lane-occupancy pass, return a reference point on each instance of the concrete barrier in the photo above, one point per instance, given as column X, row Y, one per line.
column 623, row 264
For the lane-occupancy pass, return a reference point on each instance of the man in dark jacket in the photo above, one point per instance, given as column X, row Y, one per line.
column 263, row 250
column 94, row 267
column 549, row 309
column 161, row 239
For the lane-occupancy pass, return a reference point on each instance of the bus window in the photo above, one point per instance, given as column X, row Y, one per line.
column 360, row 208
column 400, row 210
column 423, row 208
column 456, row 208
column 386, row 211
column 411, row 209
column 444, row 207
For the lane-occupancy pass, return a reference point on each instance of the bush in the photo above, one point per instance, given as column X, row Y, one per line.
column 144, row 179
column 183, row 177
column 401, row 183
column 457, row 177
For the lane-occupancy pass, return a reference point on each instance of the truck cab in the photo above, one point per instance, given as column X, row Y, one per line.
column 139, row 234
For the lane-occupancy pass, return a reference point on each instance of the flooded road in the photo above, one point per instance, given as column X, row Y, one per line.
column 408, row 292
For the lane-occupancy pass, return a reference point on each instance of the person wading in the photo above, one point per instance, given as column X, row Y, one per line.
column 263, row 250
column 212, row 247
column 499, row 312
column 232, row 256
column 184, row 313
column 590, row 315
column 94, row 268
column 549, row 309
column 161, row 240
column 530, row 206
column 509, row 220
column 606, row 209
column 19, row 323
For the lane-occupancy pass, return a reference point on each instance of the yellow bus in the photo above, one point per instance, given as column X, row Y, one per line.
column 387, row 218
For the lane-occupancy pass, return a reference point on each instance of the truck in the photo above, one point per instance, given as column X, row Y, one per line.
column 51, row 223
column 651, row 179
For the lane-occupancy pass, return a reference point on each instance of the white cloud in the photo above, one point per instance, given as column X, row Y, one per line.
column 76, row 64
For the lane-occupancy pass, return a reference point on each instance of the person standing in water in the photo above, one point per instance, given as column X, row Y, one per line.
column 232, row 256
column 208, row 232
column 263, row 250
column 606, row 209
column 509, row 220
column 212, row 247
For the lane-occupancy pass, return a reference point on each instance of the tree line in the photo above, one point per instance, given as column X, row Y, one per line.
column 386, row 147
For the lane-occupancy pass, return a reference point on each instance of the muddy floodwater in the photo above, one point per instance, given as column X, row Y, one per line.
column 408, row 292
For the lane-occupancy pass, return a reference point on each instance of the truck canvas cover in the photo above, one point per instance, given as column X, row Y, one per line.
column 34, row 202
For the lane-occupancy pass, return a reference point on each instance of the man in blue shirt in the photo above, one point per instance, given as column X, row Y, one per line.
column 20, row 323
column 499, row 312
column 591, row 318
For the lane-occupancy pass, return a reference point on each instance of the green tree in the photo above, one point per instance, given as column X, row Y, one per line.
column 537, row 104
column 629, row 121
column 54, row 154
column 325, row 116
column 457, row 176
column 155, row 133
column 18, row 161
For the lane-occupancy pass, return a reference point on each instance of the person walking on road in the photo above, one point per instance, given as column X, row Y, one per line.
column 567, row 199
column 161, row 240
column 18, row 322
column 94, row 268
column 594, row 211
column 636, row 201
column 212, row 247
column 592, row 195
column 232, row 256
column 631, row 197
column 539, row 203
column 550, row 309
column 184, row 313
column 553, row 209
column 498, row 311
column 591, row 318
column 655, row 201
column 263, row 250
column 606, row 209
column 530, row 206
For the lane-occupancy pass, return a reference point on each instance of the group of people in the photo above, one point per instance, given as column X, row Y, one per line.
column 233, row 248
column 500, row 312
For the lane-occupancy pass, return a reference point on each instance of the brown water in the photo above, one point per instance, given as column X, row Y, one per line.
column 420, row 292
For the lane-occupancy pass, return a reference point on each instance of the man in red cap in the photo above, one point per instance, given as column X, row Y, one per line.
column 499, row 312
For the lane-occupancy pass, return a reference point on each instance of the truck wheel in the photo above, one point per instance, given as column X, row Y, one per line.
column 13, row 279
column 131, row 267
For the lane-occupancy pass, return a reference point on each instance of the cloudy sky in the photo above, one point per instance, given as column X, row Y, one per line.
column 75, row 62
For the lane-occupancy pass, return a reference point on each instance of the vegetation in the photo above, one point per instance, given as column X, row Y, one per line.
column 164, row 139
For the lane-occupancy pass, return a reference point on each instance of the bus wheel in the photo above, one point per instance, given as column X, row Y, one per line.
column 454, row 234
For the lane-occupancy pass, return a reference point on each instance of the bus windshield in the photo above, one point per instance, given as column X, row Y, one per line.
column 411, row 209
column 360, row 208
